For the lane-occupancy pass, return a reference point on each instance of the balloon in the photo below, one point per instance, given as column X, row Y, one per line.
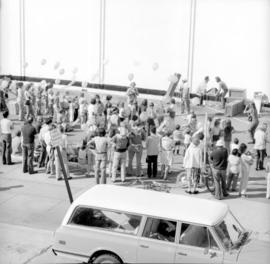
column 56, row 65
column 84, row 84
column 75, row 70
column 155, row 66
column 61, row 71
column 43, row 62
column 57, row 81
column 25, row 65
column 130, row 76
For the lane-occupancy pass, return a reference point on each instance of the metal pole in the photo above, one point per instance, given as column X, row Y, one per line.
column 101, row 41
column 64, row 173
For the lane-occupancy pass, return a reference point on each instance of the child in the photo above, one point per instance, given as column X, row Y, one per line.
column 268, row 178
column 228, row 130
column 17, row 144
column 167, row 146
column 235, row 144
column 193, row 163
column 177, row 136
column 187, row 140
column 234, row 169
column 82, row 157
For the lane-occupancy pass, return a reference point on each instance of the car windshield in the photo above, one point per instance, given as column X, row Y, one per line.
column 230, row 232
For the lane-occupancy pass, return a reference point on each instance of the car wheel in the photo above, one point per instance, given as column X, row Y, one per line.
column 107, row 258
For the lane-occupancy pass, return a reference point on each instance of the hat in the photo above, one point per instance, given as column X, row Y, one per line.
column 220, row 143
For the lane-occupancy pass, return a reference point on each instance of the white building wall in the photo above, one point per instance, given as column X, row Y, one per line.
column 231, row 41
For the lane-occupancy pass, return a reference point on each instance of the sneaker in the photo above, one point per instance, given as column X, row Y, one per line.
column 189, row 192
column 195, row 192
column 60, row 179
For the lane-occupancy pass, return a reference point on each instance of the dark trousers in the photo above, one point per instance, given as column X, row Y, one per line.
column 252, row 127
column 152, row 166
column 232, row 181
column 7, row 148
column 28, row 157
column 220, row 183
column 261, row 154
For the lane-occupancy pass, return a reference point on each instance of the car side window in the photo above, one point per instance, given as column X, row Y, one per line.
column 160, row 229
column 194, row 235
column 115, row 221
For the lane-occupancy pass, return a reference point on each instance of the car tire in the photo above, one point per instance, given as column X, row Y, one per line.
column 107, row 258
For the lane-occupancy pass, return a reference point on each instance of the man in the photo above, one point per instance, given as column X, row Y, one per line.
column 121, row 143
column 186, row 95
column 219, row 160
column 6, row 126
column 152, row 151
column 202, row 89
column 28, row 134
column 222, row 90
column 132, row 93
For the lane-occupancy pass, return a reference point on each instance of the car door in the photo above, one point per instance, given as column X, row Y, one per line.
column 197, row 245
column 157, row 242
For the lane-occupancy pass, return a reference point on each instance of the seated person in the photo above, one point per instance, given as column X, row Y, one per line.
column 17, row 144
column 194, row 235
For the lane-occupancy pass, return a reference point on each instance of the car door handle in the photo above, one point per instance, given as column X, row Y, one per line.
column 144, row 246
column 181, row 254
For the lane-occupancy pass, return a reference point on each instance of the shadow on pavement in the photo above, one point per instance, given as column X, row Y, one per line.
column 10, row 187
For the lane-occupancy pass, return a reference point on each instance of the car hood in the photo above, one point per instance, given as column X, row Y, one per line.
column 254, row 251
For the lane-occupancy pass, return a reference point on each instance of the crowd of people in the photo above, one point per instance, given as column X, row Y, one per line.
column 117, row 132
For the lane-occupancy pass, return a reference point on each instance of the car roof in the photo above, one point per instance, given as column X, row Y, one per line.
column 153, row 203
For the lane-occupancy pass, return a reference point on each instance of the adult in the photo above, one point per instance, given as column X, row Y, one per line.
column 152, row 150
column 101, row 145
column 245, row 164
column 260, row 145
column 202, row 89
column 19, row 100
column 63, row 148
column 186, row 96
column 219, row 160
column 28, row 101
column 132, row 93
column 121, row 143
column 6, row 126
column 28, row 139
column 222, row 91
column 136, row 137
column 253, row 119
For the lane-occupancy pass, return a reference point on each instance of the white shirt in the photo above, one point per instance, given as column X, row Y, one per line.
column 43, row 130
column 260, row 139
column 6, row 126
column 202, row 88
column 19, row 95
column 234, row 164
column 193, row 157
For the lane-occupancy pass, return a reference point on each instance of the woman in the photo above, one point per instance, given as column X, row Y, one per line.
column 28, row 101
column 253, row 119
column 245, row 164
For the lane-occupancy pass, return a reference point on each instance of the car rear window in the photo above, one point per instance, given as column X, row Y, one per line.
column 106, row 219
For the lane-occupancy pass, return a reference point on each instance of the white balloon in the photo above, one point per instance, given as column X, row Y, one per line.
column 57, row 81
column 155, row 66
column 130, row 76
column 61, row 71
column 25, row 65
column 43, row 62
column 75, row 70
column 56, row 65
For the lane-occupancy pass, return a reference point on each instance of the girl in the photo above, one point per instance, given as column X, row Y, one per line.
column 167, row 146
column 246, row 162
column 234, row 169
